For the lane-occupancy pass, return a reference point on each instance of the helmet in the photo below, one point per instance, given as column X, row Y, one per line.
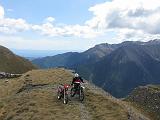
column 76, row 75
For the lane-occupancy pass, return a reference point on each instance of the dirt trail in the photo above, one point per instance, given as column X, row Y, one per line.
column 85, row 115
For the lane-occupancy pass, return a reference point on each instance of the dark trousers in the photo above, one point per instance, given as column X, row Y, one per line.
column 75, row 88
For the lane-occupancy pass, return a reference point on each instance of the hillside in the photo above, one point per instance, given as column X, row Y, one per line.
column 146, row 98
column 33, row 97
column 9, row 62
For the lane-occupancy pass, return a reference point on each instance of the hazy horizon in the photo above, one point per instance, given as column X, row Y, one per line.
column 40, row 53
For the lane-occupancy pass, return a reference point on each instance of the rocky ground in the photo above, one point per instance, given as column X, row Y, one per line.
column 148, row 99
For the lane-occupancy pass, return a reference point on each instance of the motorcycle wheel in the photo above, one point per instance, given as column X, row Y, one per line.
column 81, row 94
column 72, row 92
column 59, row 95
column 65, row 100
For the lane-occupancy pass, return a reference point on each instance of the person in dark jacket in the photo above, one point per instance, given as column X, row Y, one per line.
column 75, row 83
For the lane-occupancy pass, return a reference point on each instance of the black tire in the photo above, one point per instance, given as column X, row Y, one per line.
column 59, row 95
column 81, row 94
column 72, row 92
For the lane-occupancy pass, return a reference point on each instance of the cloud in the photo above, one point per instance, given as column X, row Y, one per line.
column 10, row 26
column 1, row 12
column 128, row 15
column 45, row 44
column 50, row 19
column 130, row 19
column 48, row 28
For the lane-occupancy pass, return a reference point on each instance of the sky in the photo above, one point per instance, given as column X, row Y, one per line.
column 76, row 24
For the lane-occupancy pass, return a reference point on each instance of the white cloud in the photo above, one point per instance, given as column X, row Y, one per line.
column 130, row 19
column 14, row 24
column 128, row 15
column 50, row 19
column 133, row 35
column 66, row 30
column 49, row 28
column 45, row 44
column 11, row 25
column 1, row 12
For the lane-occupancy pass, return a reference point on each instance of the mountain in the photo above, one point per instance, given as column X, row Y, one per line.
column 146, row 98
column 64, row 60
column 9, row 62
column 126, row 68
column 73, row 59
column 33, row 97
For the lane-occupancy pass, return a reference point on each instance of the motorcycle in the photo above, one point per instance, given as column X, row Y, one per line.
column 79, row 90
column 62, row 92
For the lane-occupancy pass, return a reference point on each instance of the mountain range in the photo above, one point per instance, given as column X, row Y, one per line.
column 117, row 68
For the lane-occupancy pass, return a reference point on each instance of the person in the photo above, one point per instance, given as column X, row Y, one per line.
column 75, row 83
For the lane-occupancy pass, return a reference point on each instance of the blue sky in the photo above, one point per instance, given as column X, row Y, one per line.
column 64, row 11
column 76, row 24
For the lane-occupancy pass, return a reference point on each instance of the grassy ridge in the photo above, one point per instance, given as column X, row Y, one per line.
column 40, row 103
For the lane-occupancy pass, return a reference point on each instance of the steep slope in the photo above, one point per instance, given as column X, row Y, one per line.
column 33, row 96
column 73, row 59
column 124, row 69
column 146, row 98
column 12, row 63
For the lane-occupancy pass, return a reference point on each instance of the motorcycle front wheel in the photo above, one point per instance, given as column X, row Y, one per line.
column 65, row 100
column 81, row 94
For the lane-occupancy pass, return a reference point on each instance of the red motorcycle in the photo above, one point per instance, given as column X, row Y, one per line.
column 62, row 92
